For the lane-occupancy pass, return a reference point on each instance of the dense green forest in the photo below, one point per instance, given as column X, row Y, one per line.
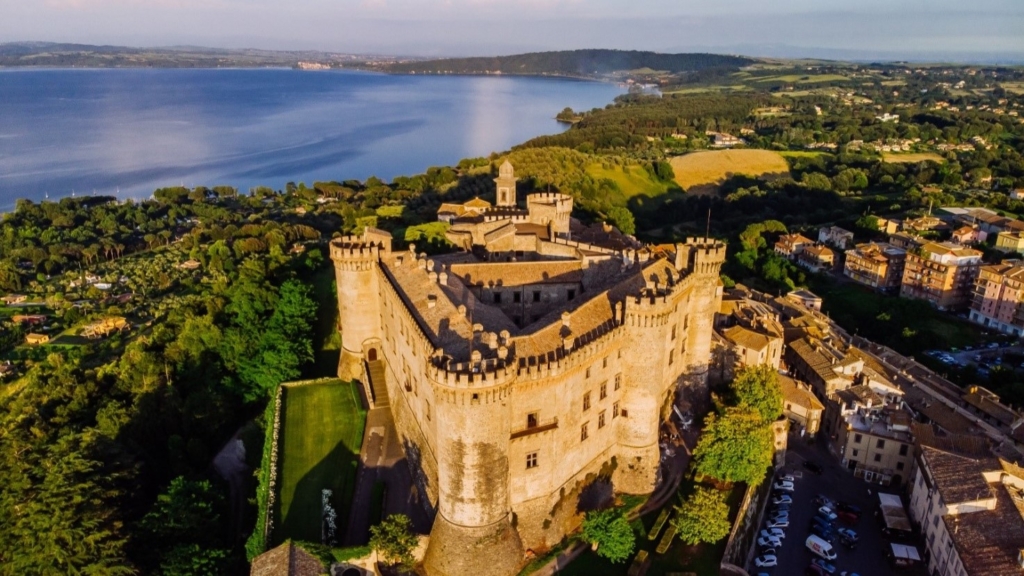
column 577, row 63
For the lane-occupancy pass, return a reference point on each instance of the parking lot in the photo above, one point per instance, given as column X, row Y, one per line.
column 868, row 558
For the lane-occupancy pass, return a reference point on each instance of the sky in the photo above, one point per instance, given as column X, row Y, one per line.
column 864, row 29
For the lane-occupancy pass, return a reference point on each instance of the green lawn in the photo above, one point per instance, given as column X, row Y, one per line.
column 631, row 180
column 326, row 338
column 321, row 433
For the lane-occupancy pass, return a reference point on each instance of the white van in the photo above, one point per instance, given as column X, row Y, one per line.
column 820, row 547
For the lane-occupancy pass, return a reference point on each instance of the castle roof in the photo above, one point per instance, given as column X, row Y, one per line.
column 495, row 274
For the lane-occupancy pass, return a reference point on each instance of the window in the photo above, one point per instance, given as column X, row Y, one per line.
column 588, row 372
column 476, row 398
column 600, row 420
column 516, row 297
column 899, row 465
column 583, row 431
column 618, row 381
column 854, row 453
column 497, row 297
column 671, row 357
column 604, row 390
column 880, row 444
column 857, row 438
column 615, row 409
column 427, row 405
column 571, row 295
column 531, row 460
column 604, row 362
column 586, row 401
column 878, row 457
column 536, row 296
column 903, row 449
column 673, row 332
column 531, row 420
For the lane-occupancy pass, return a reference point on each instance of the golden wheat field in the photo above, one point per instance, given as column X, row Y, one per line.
column 702, row 172
column 913, row 157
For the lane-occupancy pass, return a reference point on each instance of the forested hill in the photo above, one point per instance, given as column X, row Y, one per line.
column 579, row 63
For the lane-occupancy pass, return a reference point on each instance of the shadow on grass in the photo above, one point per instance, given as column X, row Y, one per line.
column 304, row 520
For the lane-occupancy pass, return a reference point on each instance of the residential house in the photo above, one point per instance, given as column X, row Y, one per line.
column 800, row 405
column 941, row 273
column 33, row 339
column 970, row 510
column 789, row 245
column 969, row 235
column 723, row 140
column 754, row 347
column 876, row 264
column 816, row 258
column 986, row 405
column 12, row 299
column 906, row 241
column 1017, row 194
column 836, row 237
column 449, row 212
column 29, row 319
column 998, row 295
column 925, row 224
column 805, row 298
column 1010, row 242
column 888, row 225
column 751, row 332
column 872, row 435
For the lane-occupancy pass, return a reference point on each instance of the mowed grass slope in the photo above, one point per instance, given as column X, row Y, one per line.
column 321, row 434
column 631, row 180
column 704, row 171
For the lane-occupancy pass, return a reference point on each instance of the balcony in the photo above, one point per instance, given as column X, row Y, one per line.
column 537, row 428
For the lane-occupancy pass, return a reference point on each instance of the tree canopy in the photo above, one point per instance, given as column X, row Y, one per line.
column 702, row 517
column 394, row 540
column 757, row 388
column 612, row 533
column 735, row 446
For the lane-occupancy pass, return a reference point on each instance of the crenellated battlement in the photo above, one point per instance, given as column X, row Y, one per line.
column 575, row 352
column 556, row 198
column 476, row 373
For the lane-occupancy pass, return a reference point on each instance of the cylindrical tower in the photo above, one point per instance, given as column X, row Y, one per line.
column 705, row 258
column 647, row 366
column 473, row 532
column 355, row 269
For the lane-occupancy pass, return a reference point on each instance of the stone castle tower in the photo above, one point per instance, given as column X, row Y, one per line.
column 506, row 184
column 521, row 370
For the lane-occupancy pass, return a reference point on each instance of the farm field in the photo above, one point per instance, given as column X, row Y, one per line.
column 702, row 172
column 321, row 434
column 912, row 157
column 1013, row 87
column 802, row 79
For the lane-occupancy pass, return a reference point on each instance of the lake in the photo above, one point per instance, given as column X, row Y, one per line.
column 128, row 132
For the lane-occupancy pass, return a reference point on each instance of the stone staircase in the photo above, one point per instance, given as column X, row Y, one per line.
column 378, row 383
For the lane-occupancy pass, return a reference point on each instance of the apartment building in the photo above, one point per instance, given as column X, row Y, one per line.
column 942, row 273
column 1010, row 241
column 970, row 509
column 835, row 236
column 789, row 245
column 876, row 264
column 997, row 297
column 801, row 406
column 816, row 258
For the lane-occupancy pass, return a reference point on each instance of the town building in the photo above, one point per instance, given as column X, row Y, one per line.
column 970, row 509
column 873, row 433
column 998, row 297
column 816, row 258
column 34, row 339
column 969, row 235
column 525, row 365
column 801, row 406
column 836, row 237
column 986, row 405
column 888, row 225
column 906, row 240
column 805, row 298
column 789, row 245
column 941, row 273
column 1010, row 241
column 875, row 264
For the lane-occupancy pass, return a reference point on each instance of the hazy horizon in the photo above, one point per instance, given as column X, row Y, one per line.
column 984, row 30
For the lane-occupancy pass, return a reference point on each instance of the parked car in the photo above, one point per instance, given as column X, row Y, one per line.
column 766, row 551
column 847, row 533
column 784, row 486
column 813, row 467
column 824, row 520
column 820, row 547
column 787, row 478
column 821, row 563
column 814, row 570
column 827, row 513
column 778, row 523
column 823, row 533
column 781, row 507
column 822, row 500
column 848, row 518
column 784, row 499
column 769, row 542
column 773, row 533
column 766, row 561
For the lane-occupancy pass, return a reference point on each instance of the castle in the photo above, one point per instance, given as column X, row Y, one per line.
column 542, row 354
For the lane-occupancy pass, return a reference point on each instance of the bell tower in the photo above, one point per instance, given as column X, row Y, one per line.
column 506, row 182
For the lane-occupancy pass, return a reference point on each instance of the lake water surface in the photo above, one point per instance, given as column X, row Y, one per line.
column 131, row 131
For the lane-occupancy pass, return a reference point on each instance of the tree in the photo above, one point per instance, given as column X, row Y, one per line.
column 622, row 218
column 610, row 530
column 393, row 540
column 703, row 517
column 757, row 387
column 736, row 446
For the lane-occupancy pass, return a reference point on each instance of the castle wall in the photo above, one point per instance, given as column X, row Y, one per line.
column 527, row 303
